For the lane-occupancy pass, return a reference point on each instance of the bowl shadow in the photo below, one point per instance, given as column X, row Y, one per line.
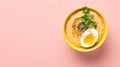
column 95, row 55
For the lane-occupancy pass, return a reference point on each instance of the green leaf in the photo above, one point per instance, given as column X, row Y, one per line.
column 82, row 25
column 87, row 22
column 87, row 19
column 84, row 17
column 94, row 24
column 83, row 20
column 85, row 10
column 91, row 16
column 87, row 26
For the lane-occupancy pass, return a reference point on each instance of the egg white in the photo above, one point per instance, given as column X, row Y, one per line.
column 87, row 32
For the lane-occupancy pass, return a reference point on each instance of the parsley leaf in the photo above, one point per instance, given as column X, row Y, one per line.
column 86, row 26
column 93, row 24
column 87, row 19
column 85, row 10
column 91, row 16
column 86, row 22
column 84, row 17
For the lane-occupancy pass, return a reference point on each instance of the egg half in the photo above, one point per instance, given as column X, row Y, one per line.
column 89, row 38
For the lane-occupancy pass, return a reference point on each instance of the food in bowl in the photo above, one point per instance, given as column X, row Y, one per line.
column 84, row 28
column 89, row 38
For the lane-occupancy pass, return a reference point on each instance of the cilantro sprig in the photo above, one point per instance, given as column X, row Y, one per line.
column 87, row 19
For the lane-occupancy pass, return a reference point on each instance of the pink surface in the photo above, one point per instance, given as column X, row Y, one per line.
column 31, row 34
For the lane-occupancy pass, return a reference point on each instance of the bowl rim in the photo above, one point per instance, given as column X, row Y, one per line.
column 103, row 37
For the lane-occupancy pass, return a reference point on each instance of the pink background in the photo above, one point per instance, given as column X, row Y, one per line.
column 31, row 34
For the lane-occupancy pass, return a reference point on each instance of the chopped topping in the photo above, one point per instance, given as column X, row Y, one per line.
column 87, row 19
column 79, row 28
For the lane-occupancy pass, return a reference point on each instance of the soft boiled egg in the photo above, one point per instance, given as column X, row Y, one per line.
column 89, row 38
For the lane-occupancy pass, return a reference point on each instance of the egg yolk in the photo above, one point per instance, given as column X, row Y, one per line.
column 89, row 39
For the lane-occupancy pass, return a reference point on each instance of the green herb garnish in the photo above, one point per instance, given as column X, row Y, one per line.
column 85, row 10
column 91, row 16
column 93, row 24
column 87, row 19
